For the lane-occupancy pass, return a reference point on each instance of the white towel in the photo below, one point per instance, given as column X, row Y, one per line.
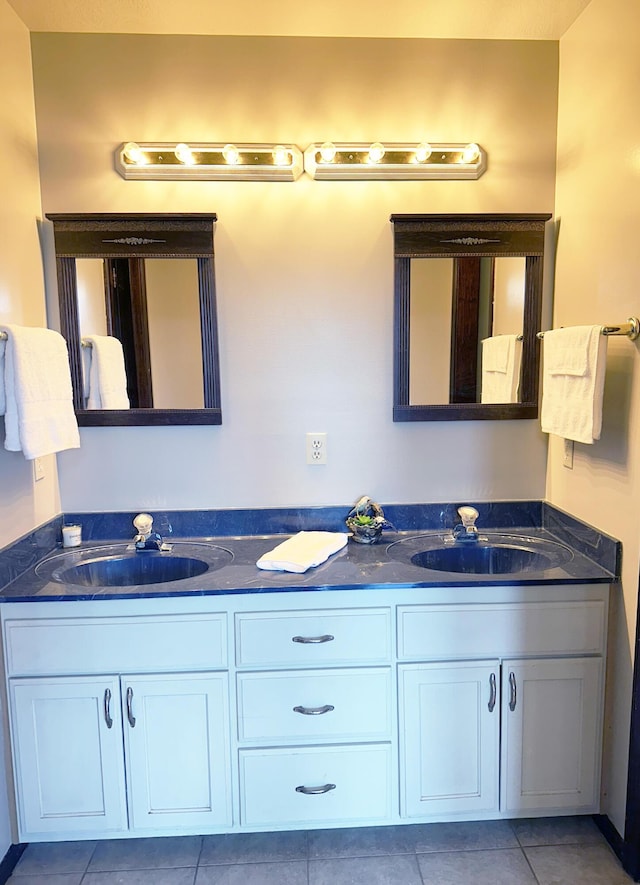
column 38, row 400
column 575, row 362
column 107, row 376
column 303, row 551
column 501, row 362
column 3, row 399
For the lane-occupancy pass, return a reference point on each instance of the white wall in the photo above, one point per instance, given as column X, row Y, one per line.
column 597, row 278
column 25, row 504
column 304, row 269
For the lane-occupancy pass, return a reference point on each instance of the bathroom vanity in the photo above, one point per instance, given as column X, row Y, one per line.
column 367, row 691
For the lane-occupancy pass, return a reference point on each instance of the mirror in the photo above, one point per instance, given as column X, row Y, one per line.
column 147, row 281
column 467, row 306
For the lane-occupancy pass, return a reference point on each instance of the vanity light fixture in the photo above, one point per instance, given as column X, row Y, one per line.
column 209, row 162
column 342, row 161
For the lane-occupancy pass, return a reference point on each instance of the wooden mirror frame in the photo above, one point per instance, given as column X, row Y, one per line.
column 464, row 236
column 140, row 236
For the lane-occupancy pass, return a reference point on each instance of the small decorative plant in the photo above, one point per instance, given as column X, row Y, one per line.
column 366, row 521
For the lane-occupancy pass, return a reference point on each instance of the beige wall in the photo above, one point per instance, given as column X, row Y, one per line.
column 173, row 311
column 304, row 270
column 430, row 331
column 597, row 279
column 25, row 504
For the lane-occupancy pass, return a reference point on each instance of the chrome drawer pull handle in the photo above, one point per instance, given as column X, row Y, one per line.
column 513, row 697
column 314, row 711
column 313, row 639
column 130, row 716
column 107, row 704
column 492, row 692
column 315, row 791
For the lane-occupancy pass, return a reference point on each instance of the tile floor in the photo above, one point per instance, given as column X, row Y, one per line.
column 559, row 851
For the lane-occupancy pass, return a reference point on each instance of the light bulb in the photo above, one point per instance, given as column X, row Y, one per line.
column 184, row 154
column 134, row 153
column 328, row 152
column 471, row 153
column 423, row 152
column 231, row 154
column 376, row 152
column 281, row 156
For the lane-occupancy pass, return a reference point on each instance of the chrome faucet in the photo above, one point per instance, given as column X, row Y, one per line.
column 466, row 530
column 146, row 538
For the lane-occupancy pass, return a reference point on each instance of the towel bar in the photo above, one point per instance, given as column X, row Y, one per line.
column 631, row 329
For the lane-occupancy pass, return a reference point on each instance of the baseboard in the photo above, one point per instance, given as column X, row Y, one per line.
column 9, row 861
column 610, row 833
column 626, row 853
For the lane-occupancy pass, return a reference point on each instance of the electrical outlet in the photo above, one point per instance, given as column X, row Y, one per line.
column 38, row 469
column 316, row 448
column 567, row 456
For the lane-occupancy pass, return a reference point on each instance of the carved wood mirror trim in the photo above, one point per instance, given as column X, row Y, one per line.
column 463, row 237
column 134, row 237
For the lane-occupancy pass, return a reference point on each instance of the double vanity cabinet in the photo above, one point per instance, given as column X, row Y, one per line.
column 304, row 708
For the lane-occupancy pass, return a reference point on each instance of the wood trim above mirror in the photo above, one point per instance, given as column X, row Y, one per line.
column 133, row 237
column 464, row 237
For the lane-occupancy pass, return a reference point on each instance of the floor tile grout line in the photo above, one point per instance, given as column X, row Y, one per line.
column 86, row 870
column 199, row 856
column 528, row 863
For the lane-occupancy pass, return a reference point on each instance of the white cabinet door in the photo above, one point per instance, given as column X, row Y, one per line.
column 176, row 747
column 68, row 753
column 449, row 737
column 551, row 718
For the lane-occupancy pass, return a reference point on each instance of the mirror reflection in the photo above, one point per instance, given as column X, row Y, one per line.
column 467, row 306
column 485, row 314
column 167, row 311
column 138, row 311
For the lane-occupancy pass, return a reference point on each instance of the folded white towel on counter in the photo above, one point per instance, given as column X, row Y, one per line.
column 107, row 376
column 501, row 362
column 38, row 399
column 303, row 551
column 575, row 361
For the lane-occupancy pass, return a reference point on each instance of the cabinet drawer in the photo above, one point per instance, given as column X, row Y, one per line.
column 313, row 638
column 486, row 630
column 342, row 784
column 114, row 645
column 335, row 704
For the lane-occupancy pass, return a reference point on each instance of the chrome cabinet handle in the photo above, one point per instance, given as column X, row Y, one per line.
column 513, row 694
column 315, row 791
column 107, row 704
column 130, row 716
column 492, row 692
column 314, row 711
column 313, row 639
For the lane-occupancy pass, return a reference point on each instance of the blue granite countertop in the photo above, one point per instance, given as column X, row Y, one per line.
column 590, row 556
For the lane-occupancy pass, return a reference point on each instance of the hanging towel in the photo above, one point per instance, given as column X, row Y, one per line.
column 38, row 400
column 107, row 377
column 575, row 361
column 3, row 399
column 303, row 551
column 501, row 362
